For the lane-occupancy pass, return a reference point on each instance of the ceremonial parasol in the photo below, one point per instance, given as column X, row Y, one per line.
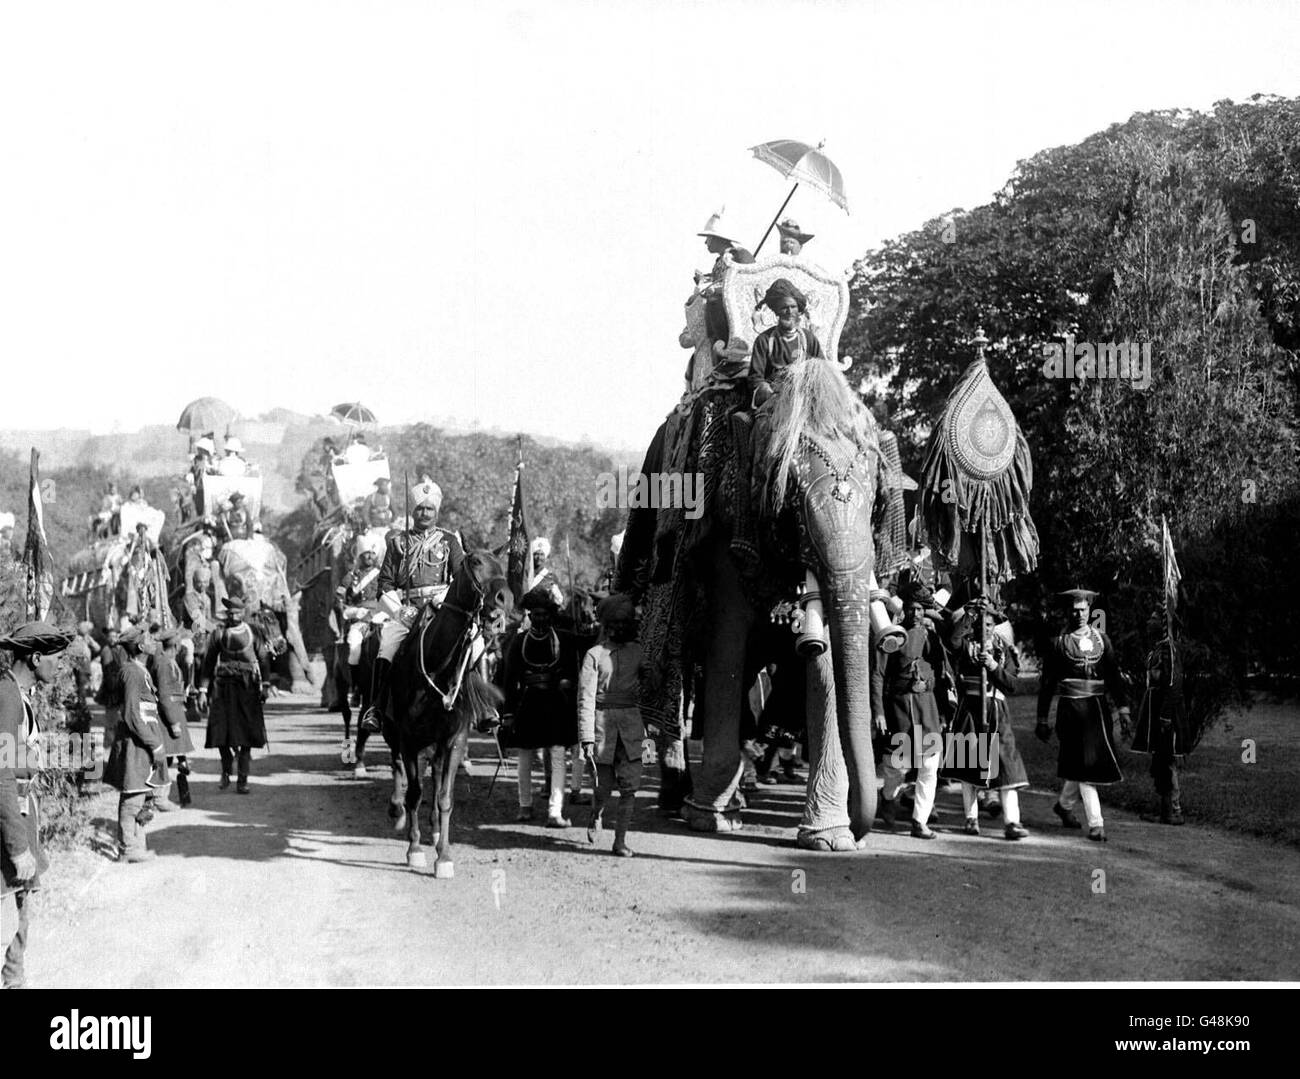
column 803, row 164
column 976, row 483
column 206, row 414
column 354, row 414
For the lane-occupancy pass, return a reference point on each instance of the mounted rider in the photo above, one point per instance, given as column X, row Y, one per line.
column 358, row 597
column 417, row 571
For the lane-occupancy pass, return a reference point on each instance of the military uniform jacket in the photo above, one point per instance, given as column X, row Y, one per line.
column 360, row 588
column 139, row 733
column 419, row 560
column 19, row 812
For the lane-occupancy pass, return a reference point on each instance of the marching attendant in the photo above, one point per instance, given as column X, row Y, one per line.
column 903, row 702
column 168, row 681
column 137, row 754
column 1081, row 663
column 417, row 571
column 997, row 658
column 784, row 344
column 537, row 679
column 237, row 663
column 609, row 721
column 35, row 648
column 1162, row 728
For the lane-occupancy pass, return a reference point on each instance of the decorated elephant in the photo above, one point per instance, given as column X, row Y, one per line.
column 791, row 493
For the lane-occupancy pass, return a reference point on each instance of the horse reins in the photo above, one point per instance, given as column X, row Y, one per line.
column 460, row 653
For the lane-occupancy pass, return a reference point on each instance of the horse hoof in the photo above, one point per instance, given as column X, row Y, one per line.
column 444, row 870
column 416, row 860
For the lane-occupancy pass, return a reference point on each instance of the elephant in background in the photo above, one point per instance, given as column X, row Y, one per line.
column 790, row 497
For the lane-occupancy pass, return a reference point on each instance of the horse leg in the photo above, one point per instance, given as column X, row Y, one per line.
column 434, row 755
column 397, row 800
column 415, row 858
column 449, row 764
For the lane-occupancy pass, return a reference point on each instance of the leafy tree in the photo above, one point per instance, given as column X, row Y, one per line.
column 1133, row 235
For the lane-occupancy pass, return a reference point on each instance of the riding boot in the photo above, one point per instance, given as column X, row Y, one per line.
column 373, row 718
column 626, row 805
column 245, row 758
column 354, row 680
column 227, row 763
column 183, row 788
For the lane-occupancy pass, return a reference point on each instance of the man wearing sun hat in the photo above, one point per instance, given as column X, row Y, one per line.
column 35, row 648
column 1081, row 665
column 793, row 238
column 418, row 566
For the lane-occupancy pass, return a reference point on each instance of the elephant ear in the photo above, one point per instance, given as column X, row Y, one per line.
column 778, row 525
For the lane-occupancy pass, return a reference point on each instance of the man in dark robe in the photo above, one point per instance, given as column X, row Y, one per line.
column 237, row 666
column 1162, row 728
column 1081, row 664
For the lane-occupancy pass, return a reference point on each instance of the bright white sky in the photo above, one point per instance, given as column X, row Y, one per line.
column 487, row 210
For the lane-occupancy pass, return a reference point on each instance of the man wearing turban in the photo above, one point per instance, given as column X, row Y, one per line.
column 786, row 343
column 35, row 648
column 417, row 570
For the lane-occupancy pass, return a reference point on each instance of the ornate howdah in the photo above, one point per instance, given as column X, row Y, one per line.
column 744, row 285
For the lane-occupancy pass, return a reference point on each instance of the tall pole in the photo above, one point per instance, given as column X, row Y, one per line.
column 775, row 220
column 984, row 671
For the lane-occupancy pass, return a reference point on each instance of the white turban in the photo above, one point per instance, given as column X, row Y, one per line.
column 234, row 445
column 542, row 546
column 371, row 543
column 427, row 493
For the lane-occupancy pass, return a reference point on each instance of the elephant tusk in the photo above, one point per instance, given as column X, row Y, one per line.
column 812, row 641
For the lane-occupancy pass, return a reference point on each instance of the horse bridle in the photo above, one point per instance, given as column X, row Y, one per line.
column 463, row 650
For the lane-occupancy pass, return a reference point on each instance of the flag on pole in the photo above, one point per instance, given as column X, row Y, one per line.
column 1172, row 575
column 36, row 554
column 518, row 570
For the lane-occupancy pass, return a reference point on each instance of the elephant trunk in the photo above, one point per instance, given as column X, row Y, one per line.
column 846, row 602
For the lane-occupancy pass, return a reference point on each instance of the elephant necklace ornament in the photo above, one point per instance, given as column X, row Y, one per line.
column 838, row 499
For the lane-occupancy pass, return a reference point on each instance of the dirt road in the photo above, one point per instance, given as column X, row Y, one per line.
column 302, row 883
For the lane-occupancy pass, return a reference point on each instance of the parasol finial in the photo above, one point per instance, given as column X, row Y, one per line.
column 980, row 341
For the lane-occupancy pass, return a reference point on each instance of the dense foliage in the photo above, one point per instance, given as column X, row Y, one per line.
column 1176, row 231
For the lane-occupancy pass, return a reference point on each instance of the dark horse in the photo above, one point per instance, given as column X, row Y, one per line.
column 438, row 692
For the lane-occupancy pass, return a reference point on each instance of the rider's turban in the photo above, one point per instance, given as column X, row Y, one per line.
column 427, row 493
column 780, row 290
